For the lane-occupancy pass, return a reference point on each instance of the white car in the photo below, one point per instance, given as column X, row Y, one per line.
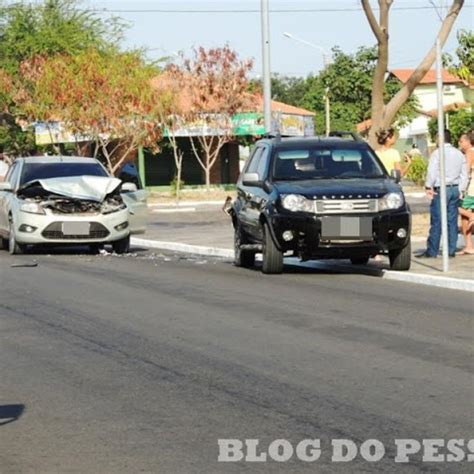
column 68, row 200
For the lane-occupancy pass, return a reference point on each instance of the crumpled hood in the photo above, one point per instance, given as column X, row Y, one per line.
column 91, row 188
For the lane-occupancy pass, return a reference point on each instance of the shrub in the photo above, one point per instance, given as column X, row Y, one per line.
column 417, row 170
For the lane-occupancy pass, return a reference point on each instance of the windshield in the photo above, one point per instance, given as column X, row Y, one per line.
column 325, row 163
column 34, row 171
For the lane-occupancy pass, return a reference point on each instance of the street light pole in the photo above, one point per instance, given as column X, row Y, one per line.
column 442, row 165
column 267, row 86
column 327, row 62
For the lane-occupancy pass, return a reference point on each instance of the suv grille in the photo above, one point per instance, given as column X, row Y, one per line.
column 54, row 231
column 346, row 206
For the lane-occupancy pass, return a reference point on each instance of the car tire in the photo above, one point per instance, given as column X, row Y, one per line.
column 400, row 259
column 242, row 258
column 13, row 246
column 272, row 257
column 359, row 260
column 94, row 249
column 3, row 244
column 122, row 245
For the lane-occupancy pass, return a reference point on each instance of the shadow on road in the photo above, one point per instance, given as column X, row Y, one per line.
column 10, row 413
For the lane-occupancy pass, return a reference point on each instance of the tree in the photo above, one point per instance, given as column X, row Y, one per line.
column 459, row 121
column 29, row 30
column 464, row 66
column 349, row 79
column 104, row 97
column 383, row 114
column 216, row 80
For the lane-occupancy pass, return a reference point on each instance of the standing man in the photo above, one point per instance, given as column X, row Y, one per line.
column 456, row 182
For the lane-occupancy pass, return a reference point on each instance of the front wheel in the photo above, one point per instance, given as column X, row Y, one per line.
column 14, row 247
column 400, row 259
column 122, row 245
column 242, row 258
column 272, row 257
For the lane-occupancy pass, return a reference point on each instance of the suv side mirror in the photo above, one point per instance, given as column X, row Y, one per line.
column 396, row 175
column 6, row 186
column 128, row 188
column 251, row 179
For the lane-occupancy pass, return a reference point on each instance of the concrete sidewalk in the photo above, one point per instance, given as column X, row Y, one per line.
column 208, row 231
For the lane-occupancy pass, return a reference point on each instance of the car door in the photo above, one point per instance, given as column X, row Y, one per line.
column 259, row 196
column 7, row 196
column 245, row 193
column 135, row 198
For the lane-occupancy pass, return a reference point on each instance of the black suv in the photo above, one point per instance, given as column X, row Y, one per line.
column 318, row 198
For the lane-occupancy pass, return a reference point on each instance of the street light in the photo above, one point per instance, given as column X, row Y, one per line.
column 327, row 60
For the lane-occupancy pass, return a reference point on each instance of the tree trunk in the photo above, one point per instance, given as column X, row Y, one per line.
column 384, row 115
column 208, row 179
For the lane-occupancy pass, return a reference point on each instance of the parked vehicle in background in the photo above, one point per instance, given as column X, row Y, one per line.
column 59, row 200
column 319, row 198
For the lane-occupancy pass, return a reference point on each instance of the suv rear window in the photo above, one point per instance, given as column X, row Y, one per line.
column 325, row 162
column 34, row 171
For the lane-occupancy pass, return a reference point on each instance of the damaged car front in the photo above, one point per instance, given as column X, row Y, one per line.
column 83, row 209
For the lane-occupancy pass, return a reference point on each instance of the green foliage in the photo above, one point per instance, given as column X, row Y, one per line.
column 51, row 27
column 459, row 122
column 464, row 65
column 417, row 171
column 349, row 79
column 14, row 141
column 175, row 186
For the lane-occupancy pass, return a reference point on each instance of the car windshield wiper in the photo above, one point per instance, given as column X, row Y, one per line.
column 299, row 178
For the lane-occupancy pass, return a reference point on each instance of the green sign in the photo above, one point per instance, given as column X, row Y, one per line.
column 248, row 123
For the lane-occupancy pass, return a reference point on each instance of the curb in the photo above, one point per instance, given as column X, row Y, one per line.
column 227, row 254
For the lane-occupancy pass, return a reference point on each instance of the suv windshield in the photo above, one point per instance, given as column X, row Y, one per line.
column 325, row 162
column 34, row 171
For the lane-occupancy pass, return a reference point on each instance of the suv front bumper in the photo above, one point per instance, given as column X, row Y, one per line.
column 308, row 243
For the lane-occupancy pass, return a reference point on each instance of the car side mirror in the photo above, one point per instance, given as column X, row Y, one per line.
column 129, row 188
column 396, row 175
column 6, row 186
column 251, row 179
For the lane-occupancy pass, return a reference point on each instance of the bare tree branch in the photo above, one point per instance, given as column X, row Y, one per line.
column 372, row 20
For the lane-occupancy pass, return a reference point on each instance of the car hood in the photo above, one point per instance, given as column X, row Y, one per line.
column 337, row 188
column 91, row 188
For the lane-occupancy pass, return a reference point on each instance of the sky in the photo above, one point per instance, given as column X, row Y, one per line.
column 156, row 25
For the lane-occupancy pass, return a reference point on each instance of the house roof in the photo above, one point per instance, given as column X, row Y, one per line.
column 254, row 101
column 430, row 77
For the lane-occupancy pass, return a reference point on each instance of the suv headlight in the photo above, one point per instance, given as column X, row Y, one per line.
column 296, row 202
column 391, row 201
column 32, row 208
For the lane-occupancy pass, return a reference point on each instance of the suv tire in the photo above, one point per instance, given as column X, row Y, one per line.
column 272, row 257
column 400, row 259
column 242, row 258
column 359, row 260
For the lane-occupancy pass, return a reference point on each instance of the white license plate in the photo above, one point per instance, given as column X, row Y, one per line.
column 346, row 228
column 76, row 228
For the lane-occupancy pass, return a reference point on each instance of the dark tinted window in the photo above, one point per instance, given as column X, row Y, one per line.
column 34, row 171
column 325, row 162
column 263, row 163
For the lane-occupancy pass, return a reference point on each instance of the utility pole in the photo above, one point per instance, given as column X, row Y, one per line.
column 442, row 164
column 267, row 85
column 328, row 112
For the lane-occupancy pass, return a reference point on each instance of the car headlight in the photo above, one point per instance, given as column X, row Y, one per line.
column 32, row 208
column 296, row 202
column 391, row 201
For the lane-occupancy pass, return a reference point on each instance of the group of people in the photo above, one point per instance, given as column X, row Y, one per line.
column 459, row 175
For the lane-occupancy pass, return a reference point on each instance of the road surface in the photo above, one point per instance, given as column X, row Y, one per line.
column 141, row 363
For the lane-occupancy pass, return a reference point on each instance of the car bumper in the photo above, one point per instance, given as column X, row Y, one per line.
column 308, row 242
column 50, row 229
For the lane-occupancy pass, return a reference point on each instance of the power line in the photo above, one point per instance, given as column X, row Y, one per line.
column 276, row 10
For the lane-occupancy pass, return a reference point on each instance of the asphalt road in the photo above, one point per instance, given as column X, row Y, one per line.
column 141, row 363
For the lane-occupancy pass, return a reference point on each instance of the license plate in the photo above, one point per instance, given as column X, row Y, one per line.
column 76, row 228
column 346, row 228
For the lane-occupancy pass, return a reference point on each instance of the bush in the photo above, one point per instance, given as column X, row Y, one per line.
column 174, row 188
column 417, row 170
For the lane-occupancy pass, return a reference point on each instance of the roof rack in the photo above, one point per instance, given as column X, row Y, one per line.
column 276, row 135
column 346, row 133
